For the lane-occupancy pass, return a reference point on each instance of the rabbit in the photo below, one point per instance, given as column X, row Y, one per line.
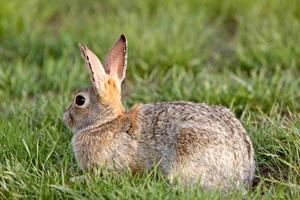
column 188, row 142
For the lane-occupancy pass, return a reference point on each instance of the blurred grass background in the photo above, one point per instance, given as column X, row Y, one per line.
column 238, row 53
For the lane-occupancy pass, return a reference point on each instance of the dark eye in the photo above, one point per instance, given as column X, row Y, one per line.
column 79, row 100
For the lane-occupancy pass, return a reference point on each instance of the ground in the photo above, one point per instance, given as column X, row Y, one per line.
column 241, row 54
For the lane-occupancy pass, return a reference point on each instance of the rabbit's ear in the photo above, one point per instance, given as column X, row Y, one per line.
column 94, row 67
column 116, row 60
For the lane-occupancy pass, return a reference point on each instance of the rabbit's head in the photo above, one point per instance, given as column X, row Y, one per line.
column 101, row 102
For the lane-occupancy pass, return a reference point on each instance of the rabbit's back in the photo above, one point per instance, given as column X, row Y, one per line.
column 197, row 142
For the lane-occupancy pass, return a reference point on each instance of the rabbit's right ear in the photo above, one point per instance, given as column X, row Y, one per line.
column 95, row 68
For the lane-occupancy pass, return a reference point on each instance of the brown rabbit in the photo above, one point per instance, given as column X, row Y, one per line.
column 192, row 142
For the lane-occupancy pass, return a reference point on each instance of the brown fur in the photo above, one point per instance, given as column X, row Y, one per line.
column 132, row 115
column 111, row 96
column 190, row 142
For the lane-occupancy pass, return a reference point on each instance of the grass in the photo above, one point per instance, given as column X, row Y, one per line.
column 241, row 54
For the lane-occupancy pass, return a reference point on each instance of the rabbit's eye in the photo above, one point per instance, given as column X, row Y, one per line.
column 79, row 100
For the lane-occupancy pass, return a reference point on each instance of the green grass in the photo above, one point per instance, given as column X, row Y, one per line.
column 241, row 54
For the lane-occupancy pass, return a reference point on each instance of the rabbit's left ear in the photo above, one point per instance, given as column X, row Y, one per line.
column 94, row 66
column 116, row 60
